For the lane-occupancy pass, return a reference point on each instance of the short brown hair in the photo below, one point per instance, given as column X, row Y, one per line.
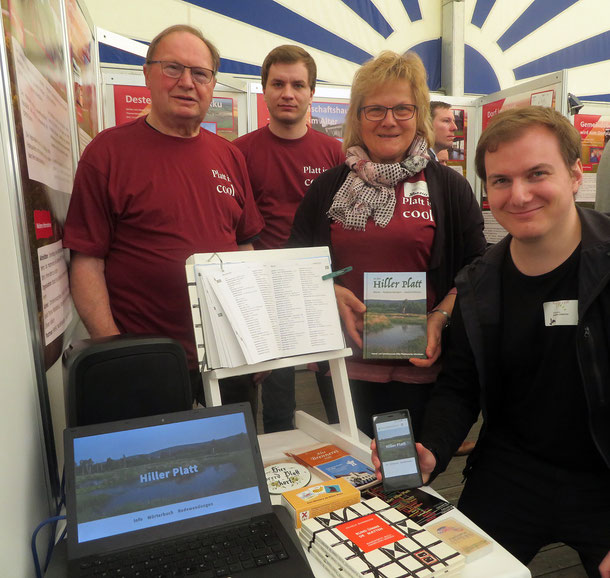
column 510, row 125
column 389, row 67
column 434, row 104
column 288, row 54
column 190, row 30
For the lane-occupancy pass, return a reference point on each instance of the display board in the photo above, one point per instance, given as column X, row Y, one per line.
column 326, row 113
column 329, row 108
column 42, row 119
column 549, row 90
column 127, row 98
column 83, row 57
column 593, row 125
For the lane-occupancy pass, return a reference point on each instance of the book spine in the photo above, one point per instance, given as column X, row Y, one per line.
column 329, row 565
column 323, row 475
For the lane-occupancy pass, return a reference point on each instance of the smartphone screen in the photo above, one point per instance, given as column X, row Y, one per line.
column 396, row 450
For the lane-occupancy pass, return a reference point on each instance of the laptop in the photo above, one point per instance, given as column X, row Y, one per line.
column 176, row 494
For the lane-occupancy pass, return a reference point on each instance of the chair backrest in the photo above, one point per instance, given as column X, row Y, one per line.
column 123, row 377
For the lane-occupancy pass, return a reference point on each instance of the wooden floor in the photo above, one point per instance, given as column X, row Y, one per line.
column 555, row 561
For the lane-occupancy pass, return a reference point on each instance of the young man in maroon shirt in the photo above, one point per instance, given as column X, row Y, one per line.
column 283, row 158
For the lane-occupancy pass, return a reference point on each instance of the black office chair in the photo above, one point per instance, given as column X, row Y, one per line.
column 123, row 377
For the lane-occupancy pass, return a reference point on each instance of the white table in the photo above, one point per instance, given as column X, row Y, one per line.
column 497, row 563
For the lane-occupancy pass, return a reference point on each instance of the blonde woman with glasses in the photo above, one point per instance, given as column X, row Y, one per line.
column 390, row 209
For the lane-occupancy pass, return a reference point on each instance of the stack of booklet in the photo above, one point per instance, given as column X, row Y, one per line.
column 374, row 539
column 254, row 311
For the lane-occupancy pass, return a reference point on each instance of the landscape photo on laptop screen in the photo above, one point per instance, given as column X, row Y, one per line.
column 140, row 478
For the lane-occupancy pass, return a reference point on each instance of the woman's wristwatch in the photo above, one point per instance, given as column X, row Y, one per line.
column 442, row 312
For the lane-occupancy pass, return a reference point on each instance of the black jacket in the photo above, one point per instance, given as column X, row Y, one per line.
column 458, row 237
column 468, row 383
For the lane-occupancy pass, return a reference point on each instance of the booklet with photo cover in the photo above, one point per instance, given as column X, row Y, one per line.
column 329, row 462
column 395, row 322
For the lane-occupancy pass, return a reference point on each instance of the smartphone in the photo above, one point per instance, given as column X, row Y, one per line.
column 396, row 450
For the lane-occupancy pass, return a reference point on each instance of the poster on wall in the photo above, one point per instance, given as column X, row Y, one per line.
column 328, row 117
column 594, row 130
column 36, row 63
column 325, row 117
column 547, row 97
column 82, row 47
column 131, row 102
column 262, row 113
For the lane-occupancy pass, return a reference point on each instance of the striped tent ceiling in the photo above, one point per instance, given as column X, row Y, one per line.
column 506, row 41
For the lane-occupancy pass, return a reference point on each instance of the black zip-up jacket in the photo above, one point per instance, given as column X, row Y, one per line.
column 467, row 383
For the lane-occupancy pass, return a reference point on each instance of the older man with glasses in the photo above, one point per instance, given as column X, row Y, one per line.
column 151, row 192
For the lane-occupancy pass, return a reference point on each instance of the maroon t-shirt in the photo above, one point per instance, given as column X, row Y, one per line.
column 280, row 171
column 404, row 244
column 144, row 202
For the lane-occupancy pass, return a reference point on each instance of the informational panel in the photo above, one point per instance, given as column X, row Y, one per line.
column 131, row 102
column 84, row 73
column 37, row 67
column 550, row 90
column 326, row 113
column 328, row 117
column 329, row 108
column 593, row 125
column 42, row 116
column 325, row 116
column 547, row 97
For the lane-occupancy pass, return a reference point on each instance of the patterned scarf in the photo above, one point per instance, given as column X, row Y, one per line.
column 368, row 189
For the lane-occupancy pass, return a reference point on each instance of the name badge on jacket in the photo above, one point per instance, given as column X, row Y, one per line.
column 561, row 312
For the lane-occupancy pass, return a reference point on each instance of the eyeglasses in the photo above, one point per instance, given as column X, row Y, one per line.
column 377, row 112
column 176, row 70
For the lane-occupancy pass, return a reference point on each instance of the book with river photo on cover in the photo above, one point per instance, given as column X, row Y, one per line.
column 395, row 321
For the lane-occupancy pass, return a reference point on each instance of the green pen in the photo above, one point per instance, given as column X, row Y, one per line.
column 336, row 273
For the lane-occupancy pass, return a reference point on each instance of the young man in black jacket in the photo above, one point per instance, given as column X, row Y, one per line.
column 530, row 348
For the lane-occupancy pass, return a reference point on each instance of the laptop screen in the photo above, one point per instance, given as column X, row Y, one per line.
column 145, row 477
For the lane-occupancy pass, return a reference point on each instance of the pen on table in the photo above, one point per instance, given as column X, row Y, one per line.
column 336, row 273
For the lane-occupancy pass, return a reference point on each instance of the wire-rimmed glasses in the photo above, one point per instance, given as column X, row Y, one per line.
column 174, row 70
column 377, row 112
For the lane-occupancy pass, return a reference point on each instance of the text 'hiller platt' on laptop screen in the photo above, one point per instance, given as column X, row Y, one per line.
column 145, row 477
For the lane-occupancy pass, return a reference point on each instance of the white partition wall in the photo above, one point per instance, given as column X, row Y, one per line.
column 48, row 108
column 24, row 480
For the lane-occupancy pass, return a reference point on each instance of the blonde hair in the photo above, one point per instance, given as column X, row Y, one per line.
column 389, row 67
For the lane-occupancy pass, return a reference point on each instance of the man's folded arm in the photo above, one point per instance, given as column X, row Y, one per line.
column 90, row 294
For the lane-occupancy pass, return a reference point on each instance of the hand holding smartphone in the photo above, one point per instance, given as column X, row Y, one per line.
column 396, row 450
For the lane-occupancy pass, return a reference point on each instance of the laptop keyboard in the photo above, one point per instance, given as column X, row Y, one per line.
column 207, row 555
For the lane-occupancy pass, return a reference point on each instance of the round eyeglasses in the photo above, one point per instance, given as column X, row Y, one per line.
column 199, row 74
column 377, row 112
